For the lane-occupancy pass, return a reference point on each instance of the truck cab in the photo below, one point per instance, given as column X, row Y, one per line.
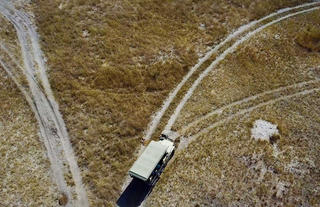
column 151, row 163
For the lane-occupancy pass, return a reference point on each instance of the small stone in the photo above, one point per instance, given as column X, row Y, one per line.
column 63, row 200
column 202, row 27
column 85, row 33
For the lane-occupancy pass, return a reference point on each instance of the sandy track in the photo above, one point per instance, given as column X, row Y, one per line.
column 38, row 105
column 185, row 141
column 52, row 126
column 46, row 135
column 158, row 115
column 230, row 50
column 67, row 147
column 243, row 101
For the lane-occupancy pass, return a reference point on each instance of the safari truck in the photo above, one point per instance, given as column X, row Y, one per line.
column 150, row 164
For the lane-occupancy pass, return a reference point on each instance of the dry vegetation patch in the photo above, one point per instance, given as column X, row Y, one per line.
column 269, row 60
column 113, row 62
column 7, row 31
column 25, row 170
column 226, row 166
column 24, row 173
column 9, row 38
column 310, row 38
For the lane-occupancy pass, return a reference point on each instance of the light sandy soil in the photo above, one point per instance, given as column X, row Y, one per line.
column 224, row 165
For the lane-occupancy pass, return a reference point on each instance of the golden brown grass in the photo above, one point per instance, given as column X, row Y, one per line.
column 24, row 173
column 25, row 170
column 226, row 166
column 310, row 38
column 113, row 62
column 7, row 31
column 9, row 38
column 248, row 73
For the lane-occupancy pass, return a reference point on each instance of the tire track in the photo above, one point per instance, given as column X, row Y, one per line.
column 228, row 51
column 69, row 154
column 44, row 102
column 243, row 101
column 158, row 115
column 187, row 141
column 17, row 64
column 50, row 144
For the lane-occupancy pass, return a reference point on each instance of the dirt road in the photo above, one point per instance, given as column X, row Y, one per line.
column 158, row 116
column 41, row 100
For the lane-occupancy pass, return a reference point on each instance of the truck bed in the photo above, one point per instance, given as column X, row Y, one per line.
column 148, row 160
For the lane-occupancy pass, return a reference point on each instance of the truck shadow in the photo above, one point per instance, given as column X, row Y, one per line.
column 136, row 192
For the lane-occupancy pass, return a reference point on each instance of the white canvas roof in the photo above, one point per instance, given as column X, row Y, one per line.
column 145, row 164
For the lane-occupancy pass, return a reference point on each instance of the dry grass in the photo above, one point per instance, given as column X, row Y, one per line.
column 234, row 169
column 113, row 62
column 9, row 38
column 226, row 166
column 25, row 170
column 24, row 173
column 310, row 38
column 7, row 31
column 246, row 73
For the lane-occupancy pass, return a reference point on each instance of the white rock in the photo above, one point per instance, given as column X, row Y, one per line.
column 263, row 130
column 85, row 33
column 202, row 26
